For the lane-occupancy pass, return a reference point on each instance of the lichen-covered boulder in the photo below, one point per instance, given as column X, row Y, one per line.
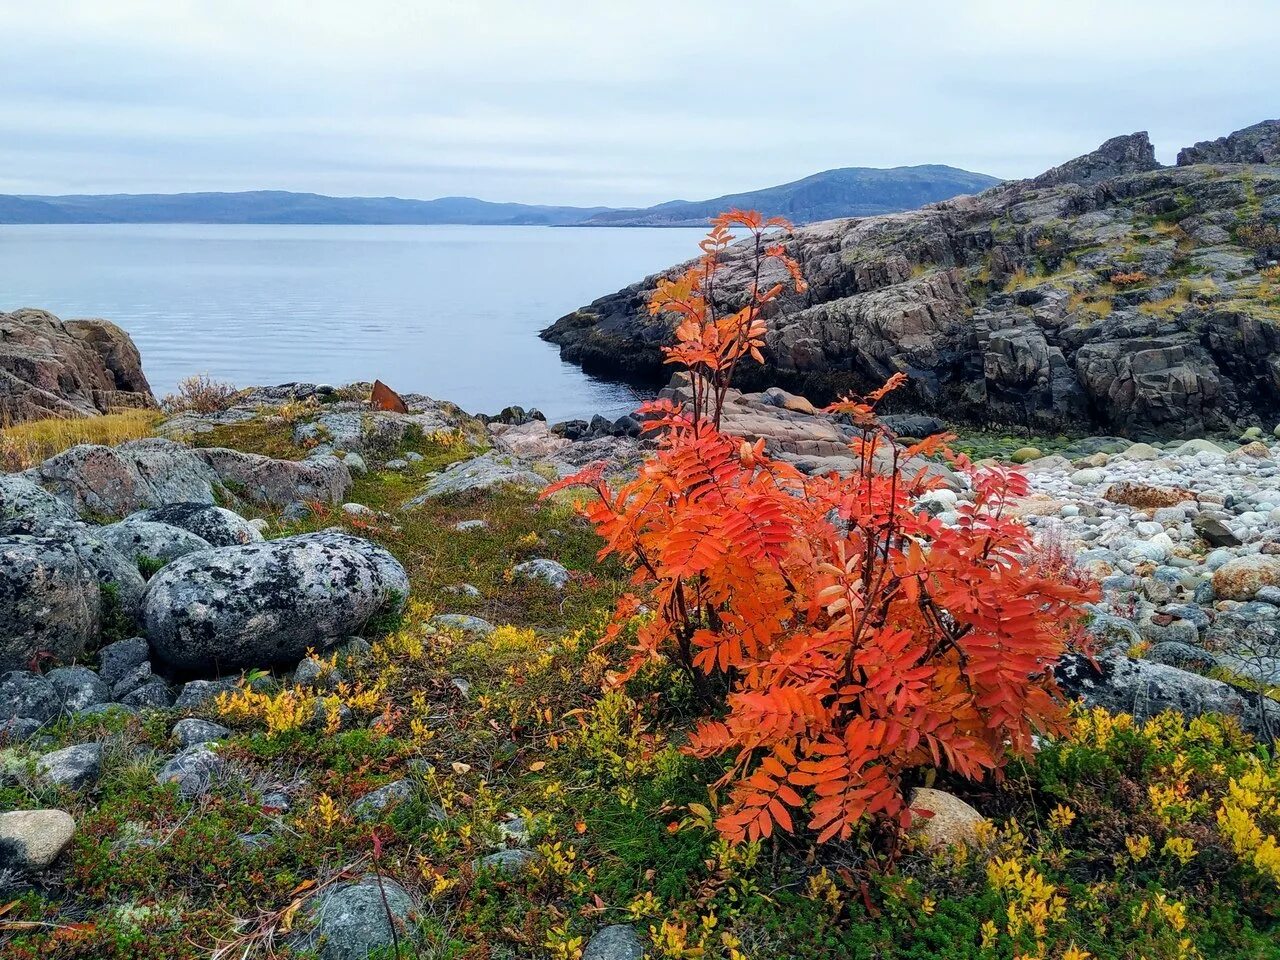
column 279, row 482
column 50, row 601
column 28, row 695
column 217, row 526
column 1122, row 684
column 617, row 942
column 147, row 540
column 267, row 603
column 1243, row 577
column 115, row 481
column 24, row 499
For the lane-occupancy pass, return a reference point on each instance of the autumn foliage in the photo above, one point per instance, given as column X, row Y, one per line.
column 849, row 638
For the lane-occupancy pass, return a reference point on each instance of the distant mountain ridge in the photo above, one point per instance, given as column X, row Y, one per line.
column 847, row 192
column 830, row 195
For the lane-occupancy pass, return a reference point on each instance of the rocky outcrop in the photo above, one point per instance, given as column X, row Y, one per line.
column 1107, row 293
column 267, row 603
column 1257, row 144
column 1119, row 155
column 72, row 369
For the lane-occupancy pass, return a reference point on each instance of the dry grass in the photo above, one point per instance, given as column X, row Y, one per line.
column 26, row 444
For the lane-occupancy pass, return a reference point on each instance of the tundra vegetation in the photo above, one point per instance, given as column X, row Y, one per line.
column 711, row 733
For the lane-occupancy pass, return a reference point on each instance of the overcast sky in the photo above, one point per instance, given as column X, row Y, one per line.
column 603, row 101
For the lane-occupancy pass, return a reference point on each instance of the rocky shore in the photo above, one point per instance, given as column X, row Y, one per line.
column 1108, row 295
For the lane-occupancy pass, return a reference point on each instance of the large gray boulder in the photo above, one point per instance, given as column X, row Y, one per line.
column 617, row 942
column 22, row 498
column 75, row 369
column 115, row 481
column 279, row 482
column 50, row 601
column 162, row 542
column 1122, row 684
column 216, row 526
column 267, row 603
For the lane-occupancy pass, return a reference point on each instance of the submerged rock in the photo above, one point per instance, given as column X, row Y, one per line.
column 267, row 603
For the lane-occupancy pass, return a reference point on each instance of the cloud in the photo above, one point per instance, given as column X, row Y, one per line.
column 622, row 102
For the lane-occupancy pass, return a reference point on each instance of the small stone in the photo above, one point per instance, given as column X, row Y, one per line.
column 199, row 692
column 463, row 622
column 467, row 526
column 1213, row 531
column 355, row 463
column 511, row 862
column 73, row 767
column 1090, row 476
column 1025, row 455
column 358, row 510
column 351, row 921
column 194, row 770
column 78, row 687
column 618, row 942
column 548, row 571
column 396, row 464
column 953, row 822
column 33, row 839
column 413, row 457
column 133, row 679
column 192, row 730
column 118, row 659
column 154, row 694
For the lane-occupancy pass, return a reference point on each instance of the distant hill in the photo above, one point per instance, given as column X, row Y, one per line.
column 278, row 206
column 830, row 195
column 850, row 192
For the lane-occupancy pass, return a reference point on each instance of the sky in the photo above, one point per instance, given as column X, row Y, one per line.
column 603, row 102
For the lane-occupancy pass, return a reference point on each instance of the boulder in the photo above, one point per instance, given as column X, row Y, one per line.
column 141, row 540
column 350, row 921
column 23, row 499
column 116, row 481
column 1213, row 531
column 78, row 688
column 74, row 767
column 50, row 601
column 1122, row 684
column 479, row 473
column 28, row 695
column 279, row 482
column 216, row 526
column 1242, row 577
column 267, row 603
column 33, row 839
column 118, row 660
column 75, row 369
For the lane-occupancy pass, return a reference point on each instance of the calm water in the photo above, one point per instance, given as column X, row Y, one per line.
column 452, row 312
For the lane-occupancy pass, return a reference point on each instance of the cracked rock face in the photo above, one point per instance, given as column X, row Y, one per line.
column 266, row 603
column 73, row 369
column 1001, row 307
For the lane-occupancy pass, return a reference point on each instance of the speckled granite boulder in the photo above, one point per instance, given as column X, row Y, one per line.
column 267, row 603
